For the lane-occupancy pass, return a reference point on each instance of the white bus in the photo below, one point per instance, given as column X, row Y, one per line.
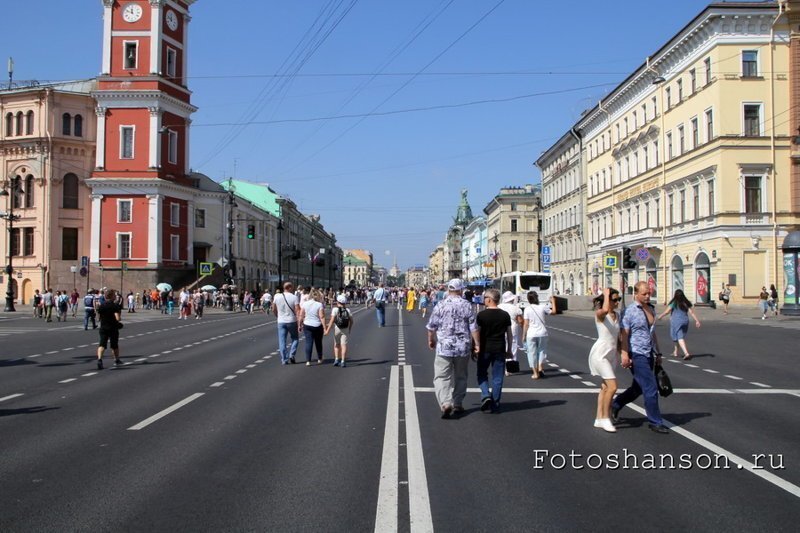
column 520, row 283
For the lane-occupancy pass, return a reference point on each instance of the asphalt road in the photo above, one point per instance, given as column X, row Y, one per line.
column 203, row 430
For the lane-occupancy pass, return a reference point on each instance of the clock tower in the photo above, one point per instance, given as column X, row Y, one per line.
column 142, row 197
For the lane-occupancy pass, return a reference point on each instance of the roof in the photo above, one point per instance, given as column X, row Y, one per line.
column 258, row 194
column 72, row 86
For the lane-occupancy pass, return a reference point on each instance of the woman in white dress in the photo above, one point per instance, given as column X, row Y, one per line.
column 604, row 355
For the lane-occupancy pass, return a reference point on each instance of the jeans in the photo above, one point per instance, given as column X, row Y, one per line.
column 88, row 314
column 291, row 329
column 497, row 362
column 380, row 310
column 450, row 380
column 644, row 381
column 313, row 335
column 537, row 351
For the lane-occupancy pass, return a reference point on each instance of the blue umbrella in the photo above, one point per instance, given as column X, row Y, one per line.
column 164, row 287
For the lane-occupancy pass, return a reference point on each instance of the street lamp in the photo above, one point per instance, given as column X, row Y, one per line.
column 280, row 253
column 10, row 218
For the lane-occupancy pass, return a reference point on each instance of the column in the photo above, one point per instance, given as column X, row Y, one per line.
column 155, row 138
column 190, row 232
column 154, row 252
column 107, row 12
column 156, row 21
column 100, row 152
column 94, row 237
column 185, row 63
column 186, row 166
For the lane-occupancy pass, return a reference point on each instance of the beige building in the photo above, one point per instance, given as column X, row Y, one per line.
column 436, row 265
column 687, row 160
column 513, row 218
column 563, row 198
column 417, row 277
column 356, row 271
column 47, row 143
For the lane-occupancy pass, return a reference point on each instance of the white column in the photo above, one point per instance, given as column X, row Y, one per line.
column 187, row 129
column 94, row 242
column 186, row 19
column 190, row 232
column 154, row 252
column 155, row 138
column 100, row 151
column 107, row 13
column 155, row 37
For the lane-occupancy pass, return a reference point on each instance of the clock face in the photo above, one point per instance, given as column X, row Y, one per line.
column 132, row 13
column 172, row 20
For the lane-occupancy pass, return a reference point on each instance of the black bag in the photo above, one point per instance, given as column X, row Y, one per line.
column 512, row 367
column 663, row 381
column 342, row 319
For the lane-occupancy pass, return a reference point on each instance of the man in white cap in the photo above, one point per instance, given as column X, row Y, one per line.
column 342, row 323
column 453, row 333
column 511, row 307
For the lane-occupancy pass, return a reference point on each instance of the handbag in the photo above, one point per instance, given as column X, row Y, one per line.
column 663, row 381
column 512, row 367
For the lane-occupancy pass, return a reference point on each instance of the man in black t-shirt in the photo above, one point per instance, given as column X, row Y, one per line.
column 495, row 335
column 110, row 315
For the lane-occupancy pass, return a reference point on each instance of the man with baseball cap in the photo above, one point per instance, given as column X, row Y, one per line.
column 453, row 334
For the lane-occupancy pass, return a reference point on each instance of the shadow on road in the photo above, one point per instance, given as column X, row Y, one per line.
column 16, row 362
column 26, row 410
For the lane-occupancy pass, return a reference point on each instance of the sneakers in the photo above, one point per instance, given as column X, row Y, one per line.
column 658, row 428
column 341, row 365
column 308, row 363
column 291, row 360
column 486, row 404
column 99, row 364
column 117, row 362
column 615, row 414
column 605, row 424
column 335, row 362
column 447, row 410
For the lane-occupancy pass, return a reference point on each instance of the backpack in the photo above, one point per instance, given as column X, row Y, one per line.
column 342, row 319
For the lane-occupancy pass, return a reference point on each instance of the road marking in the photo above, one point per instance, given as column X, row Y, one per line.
column 386, row 516
column 711, row 371
column 88, row 374
column 733, row 377
column 589, row 383
column 250, row 366
column 757, row 384
column 34, row 355
column 419, row 504
column 67, row 380
column 524, row 390
column 156, row 355
column 83, row 345
column 50, row 353
column 563, row 370
column 241, row 371
column 161, row 414
column 230, row 377
column 741, row 463
column 552, row 365
column 217, row 384
column 575, row 376
column 140, row 360
column 691, row 366
column 11, row 397
column 67, row 349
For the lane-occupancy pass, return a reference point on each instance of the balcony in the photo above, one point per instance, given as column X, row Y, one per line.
column 755, row 218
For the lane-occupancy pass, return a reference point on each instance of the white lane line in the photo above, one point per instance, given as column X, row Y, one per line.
column 83, row 345
column 34, row 355
column 67, row 349
column 230, row 377
column 733, row 377
column 673, row 361
column 589, row 384
column 563, row 370
column 166, row 351
column 757, row 384
column 419, row 504
column 11, row 396
column 161, row 414
column 241, row 371
column 67, row 380
column 741, row 463
column 88, row 374
column 711, row 371
column 156, row 355
column 268, row 357
column 386, row 516
column 691, row 366
column 140, row 360
column 217, row 384
column 552, row 365
column 50, row 353
column 575, row 376
column 250, row 366
column 260, row 361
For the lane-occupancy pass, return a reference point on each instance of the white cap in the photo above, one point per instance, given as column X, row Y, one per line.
column 455, row 284
column 342, row 299
column 509, row 297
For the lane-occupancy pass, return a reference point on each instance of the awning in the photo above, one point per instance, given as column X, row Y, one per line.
column 200, row 244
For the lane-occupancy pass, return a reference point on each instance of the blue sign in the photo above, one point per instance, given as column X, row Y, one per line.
column 545, row 259
column 85, row 261
column 610, row 261
column 545, row 250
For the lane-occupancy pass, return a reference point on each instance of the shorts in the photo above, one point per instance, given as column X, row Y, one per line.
column 339, row 337
column 107, row 335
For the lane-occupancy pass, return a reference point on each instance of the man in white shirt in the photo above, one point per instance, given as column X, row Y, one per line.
column 286, row 308
column 380, row 297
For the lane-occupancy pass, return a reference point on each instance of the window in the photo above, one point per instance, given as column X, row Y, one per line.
column 695, row 133
column 670, row 208
column 681, row 140
column 752, row 120
column 29, row 191
column 175, row 247
column 696, row 201
column 9, row 124
column 66, row 124
column 69, row 244
column 658, row 212
column 69, row 191
column 172, row 59
column 199, row 218
column 668, row 93
column 710, row 188
column 646, row 215
column 514, row 265
column 752, row 194
column 749, row 63
column 654, row 101
column 19, row 123
column 514, row 225
column 14, row 245
column 644, row 113
column 707, row 64
column 131, row 51
column 646, row 154
column 692, row 81
column 174, row 215
column 683, row 205
column 513, row 245
column 123, row 245
column 635, row 121
column 173, row 147
column 655, row 152
column 29, row 123
column 78, row 126
column 680, row 91
column 513, row 206
column 625, row 122
column 126, row 142
column 17, row 194
column 124, row 210
column 618, row 135
column 27, row 243
column 669, row 146
column 709, row 125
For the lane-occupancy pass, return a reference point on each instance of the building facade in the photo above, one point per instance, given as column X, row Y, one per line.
column 513, row 220
column 474, row 249
column 687, row 160
column 356, row 271
column 436, row 265
column 417, row 277
column 563, row 198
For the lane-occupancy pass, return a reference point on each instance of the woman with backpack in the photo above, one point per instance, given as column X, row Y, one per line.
column 342, row 323
column 679, row 309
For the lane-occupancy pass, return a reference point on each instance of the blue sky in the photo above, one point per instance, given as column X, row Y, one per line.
column 385, row 182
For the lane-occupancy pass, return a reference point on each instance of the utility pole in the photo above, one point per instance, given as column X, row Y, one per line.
column 280, row 254
column 231, row 266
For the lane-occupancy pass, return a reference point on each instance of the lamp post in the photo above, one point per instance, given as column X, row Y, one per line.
column 658, row 81
column 10, row 218
column 280, row 253
column 231, row 267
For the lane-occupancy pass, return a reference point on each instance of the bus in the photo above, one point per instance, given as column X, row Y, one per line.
column 520, row 283
column 477, row 286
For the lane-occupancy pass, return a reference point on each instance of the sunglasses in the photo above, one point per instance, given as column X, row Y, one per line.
column 615, row 299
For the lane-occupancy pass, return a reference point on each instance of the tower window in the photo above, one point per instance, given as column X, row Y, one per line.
column 29, row 123
column 172, row 59
column 124, row 210
column 126, row 137
column 78, row 130
column 173, row 147
column 9, row 124
column 66, row 124
column 131, row 53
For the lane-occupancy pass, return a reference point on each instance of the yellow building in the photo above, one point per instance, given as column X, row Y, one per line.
column 436, row 265
column 687, row 160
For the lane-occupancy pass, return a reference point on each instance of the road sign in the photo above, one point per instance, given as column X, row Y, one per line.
column 85, row 261
column 545, row 259
column 124, row 266
column 642, row 254
column 222, row 262
column 545, row 250
column 73, row 269
column 83, row 271
column 206, row 269
column 610, row 261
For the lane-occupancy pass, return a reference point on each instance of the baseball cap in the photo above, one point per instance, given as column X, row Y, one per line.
column 342, row 299
column 455, row 284
column 509, row 297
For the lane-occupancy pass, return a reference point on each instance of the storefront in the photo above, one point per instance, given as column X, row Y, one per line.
column 702, row 269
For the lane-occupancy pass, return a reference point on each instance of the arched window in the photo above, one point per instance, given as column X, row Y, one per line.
column 78, row 126
column 70, row 191
column 66, row 124
column 9, row 124
column 19, row 122
column 29, row 123
column 28, row 191
column 16, row 196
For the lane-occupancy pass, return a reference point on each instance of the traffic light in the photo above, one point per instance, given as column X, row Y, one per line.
column 627, row 259
column 251, row 231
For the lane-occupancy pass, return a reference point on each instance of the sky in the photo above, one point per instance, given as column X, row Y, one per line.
column 374, row 114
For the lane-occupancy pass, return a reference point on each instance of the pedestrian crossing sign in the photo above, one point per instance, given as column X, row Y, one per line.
column 610, row 261
column 206, row 269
